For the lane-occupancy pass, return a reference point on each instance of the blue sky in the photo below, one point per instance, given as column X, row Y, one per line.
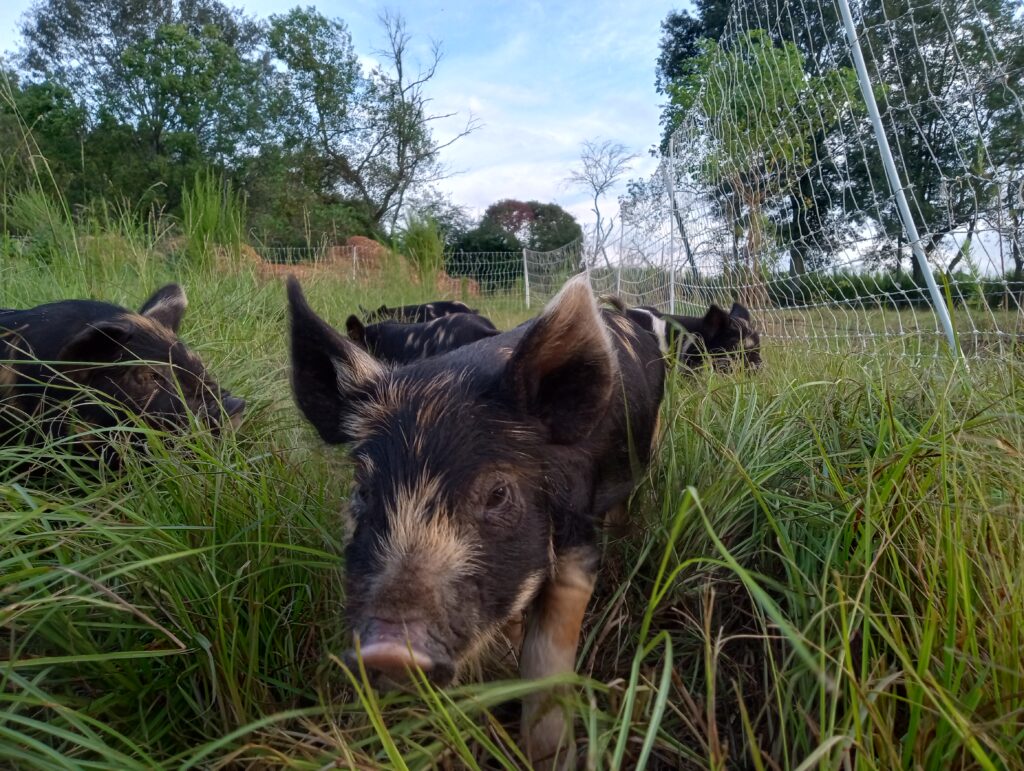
column 541, row 77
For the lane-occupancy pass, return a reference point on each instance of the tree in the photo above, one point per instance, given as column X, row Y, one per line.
column 81, row 44
column 552, row 227
column 814, row 225
column 761, row 142
column 951, row 102
column 603, row 164
column 678, row 49
column 373, row 132
column 167, row 88
column 452, row 220
column 192, row 93
column 532, row 225
column 491, row 252
column 39, row 123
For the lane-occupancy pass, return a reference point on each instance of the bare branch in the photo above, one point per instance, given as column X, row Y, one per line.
column 603, row 164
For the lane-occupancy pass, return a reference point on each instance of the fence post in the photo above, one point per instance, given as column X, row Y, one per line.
column 526, row 279
column 671, row 278
column 670, row 185
column 618, row 277
column 895, row 183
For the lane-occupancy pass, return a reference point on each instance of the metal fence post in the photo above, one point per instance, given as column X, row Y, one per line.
column 618, row 276
column 526, row 278
column 895, row 183
column 671, row 279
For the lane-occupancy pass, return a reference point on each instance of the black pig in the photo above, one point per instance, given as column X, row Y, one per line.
column 416, row 314
column 70, row 360
column 724, row 337
column 481, row 479
column 399, row 343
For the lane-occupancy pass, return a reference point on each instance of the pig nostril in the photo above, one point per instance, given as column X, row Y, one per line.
column 394, row 648
column 233, row 405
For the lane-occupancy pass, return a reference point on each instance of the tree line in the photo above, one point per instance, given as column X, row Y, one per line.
column 136, row 102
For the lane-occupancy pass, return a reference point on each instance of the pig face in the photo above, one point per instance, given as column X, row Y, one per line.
column 133, row 360
column 462, row 465
column 725, row 337
column 449, row 543
column 138, row 361
column 730, row 337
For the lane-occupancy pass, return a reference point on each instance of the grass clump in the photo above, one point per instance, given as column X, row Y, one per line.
column 212, row 218
column 823, row 569
column 422, row 242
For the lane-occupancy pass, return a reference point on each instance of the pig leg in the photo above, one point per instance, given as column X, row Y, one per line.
column 549, row 648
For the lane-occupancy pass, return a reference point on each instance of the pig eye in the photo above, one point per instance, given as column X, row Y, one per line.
column 357, row 498
column 499, row 504
column 498, row 497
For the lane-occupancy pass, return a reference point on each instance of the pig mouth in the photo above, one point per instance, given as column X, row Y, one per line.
column 392, row 651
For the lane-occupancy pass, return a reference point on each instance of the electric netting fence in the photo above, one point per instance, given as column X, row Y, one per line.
column 827, row 152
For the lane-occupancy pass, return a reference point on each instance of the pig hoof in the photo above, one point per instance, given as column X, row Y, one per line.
column 550, row 745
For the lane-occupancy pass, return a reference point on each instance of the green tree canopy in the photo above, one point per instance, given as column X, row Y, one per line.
column 751, row 100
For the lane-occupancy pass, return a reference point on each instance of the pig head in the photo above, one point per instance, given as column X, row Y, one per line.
column 481, row 477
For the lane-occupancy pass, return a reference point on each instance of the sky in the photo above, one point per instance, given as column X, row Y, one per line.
column 539, row 77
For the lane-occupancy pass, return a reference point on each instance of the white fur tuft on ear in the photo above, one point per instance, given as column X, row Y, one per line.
column 574, row 312
column 563, row 369
column 166, row 306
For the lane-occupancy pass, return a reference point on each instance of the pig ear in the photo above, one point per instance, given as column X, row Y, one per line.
column 329, row 372
column 715, row 320
column 103, row 341
column 356, row 330
column 563, row 369
column 166, row 306
column 738, row 311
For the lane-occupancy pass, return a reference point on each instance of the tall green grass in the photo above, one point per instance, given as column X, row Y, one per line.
column 212, row 217
column 823, row 569
column 422, row 243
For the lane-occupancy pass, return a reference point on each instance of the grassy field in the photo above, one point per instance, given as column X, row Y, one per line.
column 824, row 569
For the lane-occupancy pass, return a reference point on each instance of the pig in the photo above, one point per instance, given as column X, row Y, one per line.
column 719, row 336
column 416, row 314
column 66, row 362
column 399, row 343
column 481, row 480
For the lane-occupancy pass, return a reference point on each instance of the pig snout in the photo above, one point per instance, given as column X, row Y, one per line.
column 392, row 649
column 233, row 405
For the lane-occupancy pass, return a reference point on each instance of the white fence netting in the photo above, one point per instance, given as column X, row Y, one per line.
column 772, row 189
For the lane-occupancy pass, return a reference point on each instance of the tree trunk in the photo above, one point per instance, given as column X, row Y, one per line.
column 965, row 249
column 797, row 232
column 1016, row 254
column 686, row 243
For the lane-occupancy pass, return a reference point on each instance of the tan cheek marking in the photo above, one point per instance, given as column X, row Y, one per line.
column 527, row 592
column 429, row 547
